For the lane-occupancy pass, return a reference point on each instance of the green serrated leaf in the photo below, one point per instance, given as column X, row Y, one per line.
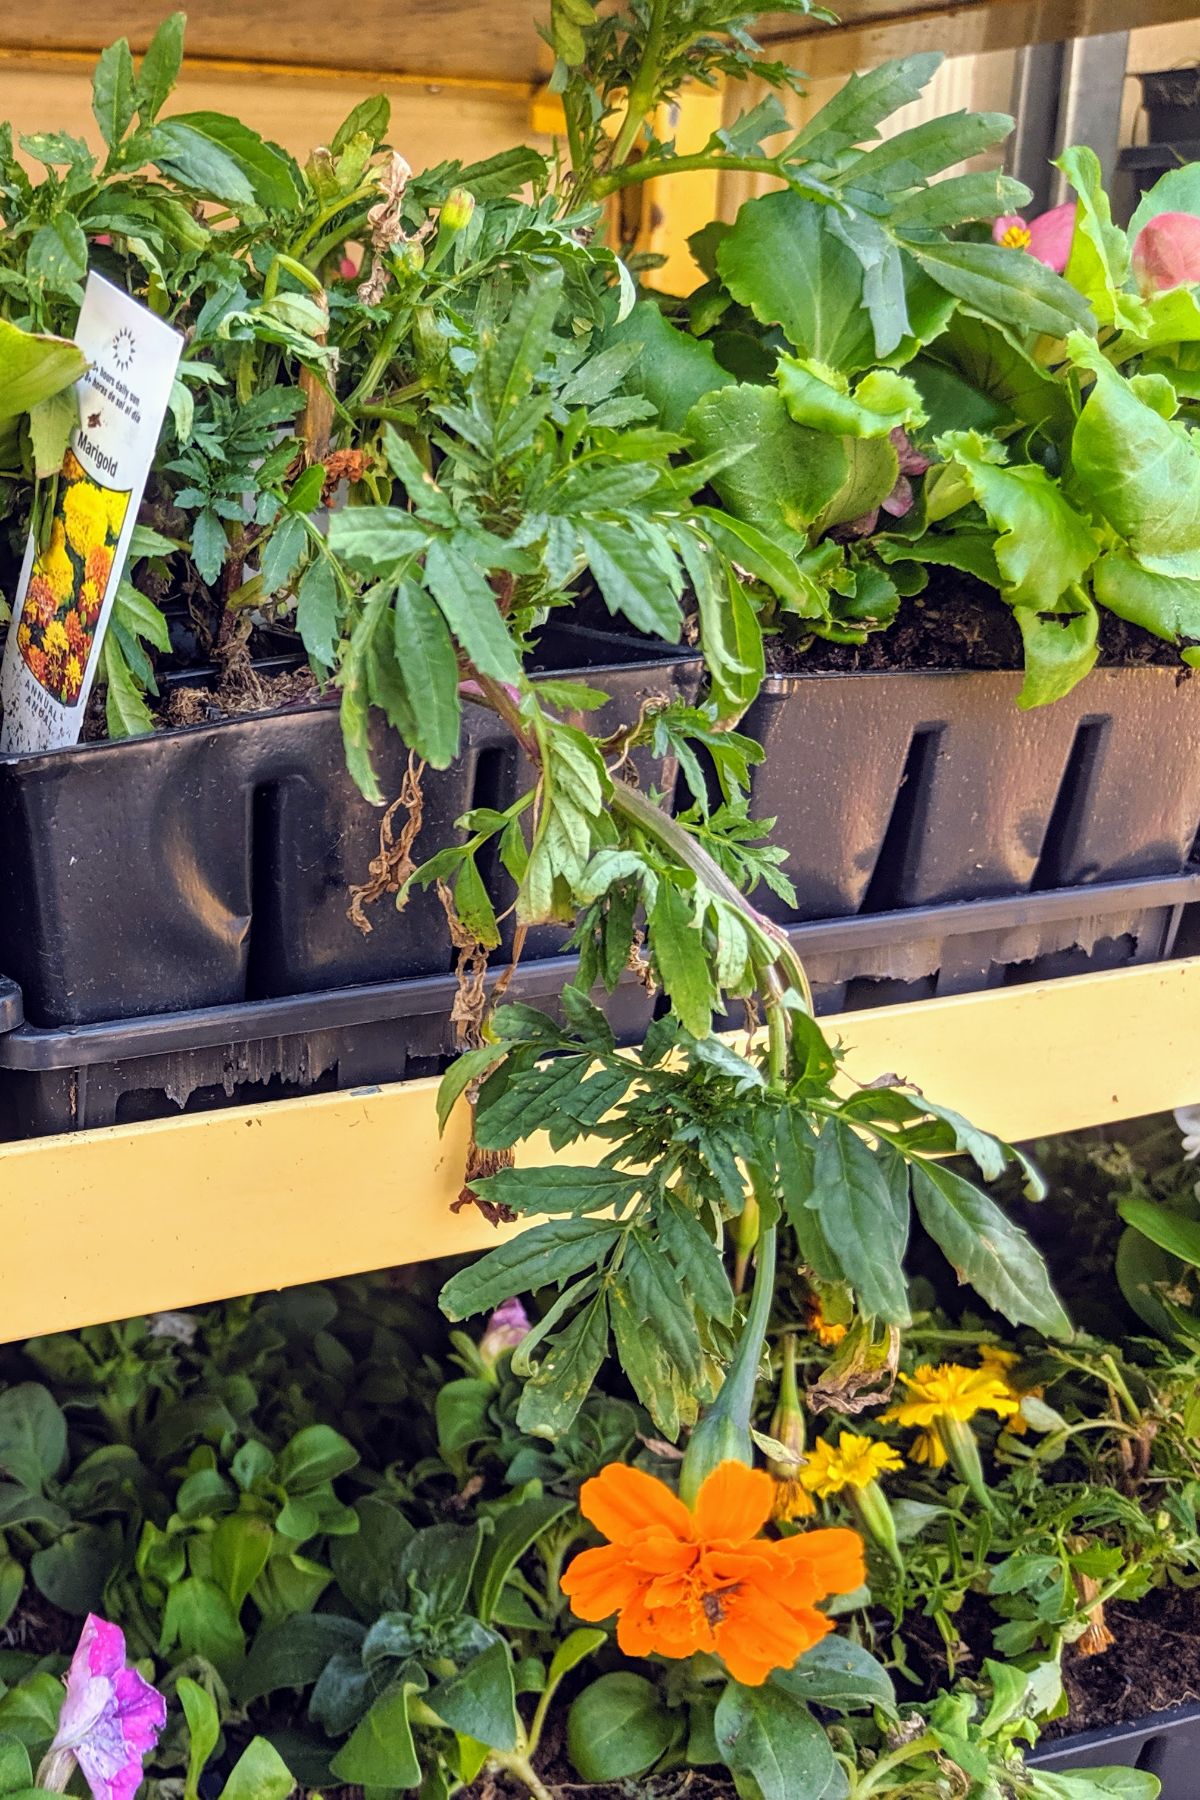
column 113, row 95
column 987, row 1249
column 864, row 1219
column 548, row 1253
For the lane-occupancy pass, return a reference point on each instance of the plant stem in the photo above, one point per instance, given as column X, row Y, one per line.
column 396, row 327
column 633, row 805
column 896, row 1759
column 523, row 1769
column 651, row 167
column 331, row 211
column 644, row 85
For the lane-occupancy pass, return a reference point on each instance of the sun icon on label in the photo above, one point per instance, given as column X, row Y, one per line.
column 122, row 348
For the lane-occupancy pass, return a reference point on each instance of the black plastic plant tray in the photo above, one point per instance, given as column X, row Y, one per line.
column 210, row 866
column 1165, row 1744
column 902, row 790
column 117, row 1072
column 79, row 1077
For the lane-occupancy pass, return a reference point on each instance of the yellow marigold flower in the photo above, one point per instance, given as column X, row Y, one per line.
column 855, row 1462
column 54, row 638
column 1003, row 1361
column 951, row 1391
column 926, row 1447
column 74, row 673
column 24, row 636
column 791, row 1502
column 55, row 567
column 85, row 512
column 116, row 504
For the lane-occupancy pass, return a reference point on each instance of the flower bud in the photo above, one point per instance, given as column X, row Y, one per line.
column 869, row 1505
column 789, row 1430
column 717, row 1439
column 744, row 1231
column 1166, row 253
column 457, row 210
column 787, row 1421
column 508, row 1326
column 958, row 1441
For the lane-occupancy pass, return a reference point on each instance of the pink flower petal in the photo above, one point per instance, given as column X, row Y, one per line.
column 111, row 1717
column 912, row 462
column 103, row 1646
column 1166, row 253
column 507, row 1327
column 900, row 500
column 1050, row 236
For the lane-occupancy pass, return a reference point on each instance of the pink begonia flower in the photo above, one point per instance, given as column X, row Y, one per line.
column 110, row 1720
column 348, row 268
column 506, row 1328
column 1048, row 237
column 1166, row 253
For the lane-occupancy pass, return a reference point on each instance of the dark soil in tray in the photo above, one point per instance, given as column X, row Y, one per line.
column 956, row 623
column 681, row 1784
column 1153, row 1665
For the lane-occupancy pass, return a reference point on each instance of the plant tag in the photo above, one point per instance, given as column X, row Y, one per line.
column 69, row 580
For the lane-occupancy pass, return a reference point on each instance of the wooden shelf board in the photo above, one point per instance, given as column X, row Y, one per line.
column 106, row 1224
column 498, row 43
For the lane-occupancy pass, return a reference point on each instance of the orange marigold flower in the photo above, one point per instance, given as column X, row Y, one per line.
column 40, row 603
column 98, row 567
column 72, row 467
column 828, row 1332
column 683, row 1580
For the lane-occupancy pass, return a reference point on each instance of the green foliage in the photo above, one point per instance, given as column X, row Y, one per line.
column 689, row 1124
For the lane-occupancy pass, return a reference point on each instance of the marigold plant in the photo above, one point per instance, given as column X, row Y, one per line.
column 685, row 1580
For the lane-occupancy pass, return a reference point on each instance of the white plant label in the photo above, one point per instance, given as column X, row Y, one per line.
column 69, row 582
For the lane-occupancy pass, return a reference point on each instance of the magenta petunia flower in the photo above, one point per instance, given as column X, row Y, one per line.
column 506, row 1328
column 110, row 1720
column 1166, row 253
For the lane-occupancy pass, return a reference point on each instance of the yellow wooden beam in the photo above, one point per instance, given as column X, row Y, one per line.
column 106, row 1224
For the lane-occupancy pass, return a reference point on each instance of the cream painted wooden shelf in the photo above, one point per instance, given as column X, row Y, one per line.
column 107, row 1224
